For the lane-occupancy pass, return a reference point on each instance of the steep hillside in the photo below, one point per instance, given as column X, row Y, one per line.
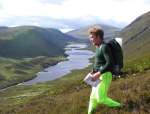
column 69, row 95
column 31, row 41
column 136, row 37
column 82, row 33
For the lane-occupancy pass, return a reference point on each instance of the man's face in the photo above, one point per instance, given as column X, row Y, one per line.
column 96, row 40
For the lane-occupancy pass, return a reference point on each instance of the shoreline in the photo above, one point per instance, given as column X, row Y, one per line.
column 43, row 64
column 34, row 75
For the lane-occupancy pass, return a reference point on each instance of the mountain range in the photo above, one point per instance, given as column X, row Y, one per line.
column 32, row 41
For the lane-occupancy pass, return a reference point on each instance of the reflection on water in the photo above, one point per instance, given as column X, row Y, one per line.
column 77, row 59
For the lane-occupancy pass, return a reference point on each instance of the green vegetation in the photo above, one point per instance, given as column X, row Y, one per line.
column 14, row 71
column 70, row 95
column 135, row 65
column 30, row 41
column 136, row 37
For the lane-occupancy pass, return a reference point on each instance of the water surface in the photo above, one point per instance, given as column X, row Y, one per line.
column 77, row 59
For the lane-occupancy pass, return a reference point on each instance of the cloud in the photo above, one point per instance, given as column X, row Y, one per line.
column 70, row 13
column 50, row 1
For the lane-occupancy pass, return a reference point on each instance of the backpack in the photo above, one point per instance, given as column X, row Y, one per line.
column 117, row 55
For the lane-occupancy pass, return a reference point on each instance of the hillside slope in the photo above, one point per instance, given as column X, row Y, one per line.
column 31, row 41
column 136, row 37
column 69, row 95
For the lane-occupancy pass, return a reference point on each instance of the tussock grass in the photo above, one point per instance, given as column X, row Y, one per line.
column 69, row 95
column 137, row 64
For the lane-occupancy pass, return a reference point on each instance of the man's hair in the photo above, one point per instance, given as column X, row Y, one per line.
column 97, row 31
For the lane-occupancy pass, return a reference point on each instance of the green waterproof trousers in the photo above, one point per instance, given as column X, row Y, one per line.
column 99, row 94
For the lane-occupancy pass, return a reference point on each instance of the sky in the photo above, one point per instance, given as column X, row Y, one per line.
column 71, row 14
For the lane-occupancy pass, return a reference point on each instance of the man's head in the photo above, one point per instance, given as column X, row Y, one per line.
column 96, row 35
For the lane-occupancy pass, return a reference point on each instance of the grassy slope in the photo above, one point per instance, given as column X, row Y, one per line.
column 136, row 37
column 69, row 95
column 30, row 41
column 14, row 71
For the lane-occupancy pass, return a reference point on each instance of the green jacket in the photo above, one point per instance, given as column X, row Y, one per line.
column 103, row 59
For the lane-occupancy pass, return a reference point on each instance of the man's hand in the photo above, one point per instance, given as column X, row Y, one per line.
column 95, row 76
